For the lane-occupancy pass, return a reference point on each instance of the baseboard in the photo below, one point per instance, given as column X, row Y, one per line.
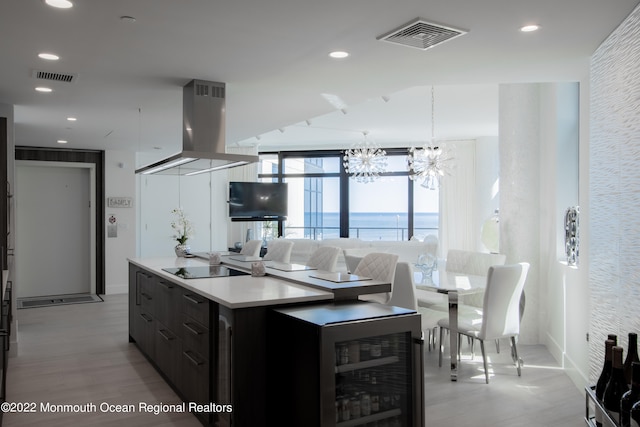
column 556, row 350
column 579, row 378
column 573, row 371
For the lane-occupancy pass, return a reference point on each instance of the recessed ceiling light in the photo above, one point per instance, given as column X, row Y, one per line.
column 62, row 141
column 61, row 4
column 338, row 54
column 529, row 28
column 129, row 19
column 48, row 56
column 71, row 119
column 44, row 89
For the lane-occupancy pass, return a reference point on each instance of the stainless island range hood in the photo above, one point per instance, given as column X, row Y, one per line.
column 203, row 134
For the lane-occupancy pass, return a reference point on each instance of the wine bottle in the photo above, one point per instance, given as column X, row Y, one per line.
column 631, row 396
column 632, row 356
column 635, row 415
column 601, row 385
column 614, row 338
column 616, row 387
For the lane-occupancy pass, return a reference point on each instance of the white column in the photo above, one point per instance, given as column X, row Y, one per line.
column 520, row 192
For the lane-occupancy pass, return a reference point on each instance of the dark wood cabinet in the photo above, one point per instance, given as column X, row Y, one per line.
column 142, row 325
column 171, row 326
column 207, row 352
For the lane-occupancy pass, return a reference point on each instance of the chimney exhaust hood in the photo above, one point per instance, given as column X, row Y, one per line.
column 203, row 134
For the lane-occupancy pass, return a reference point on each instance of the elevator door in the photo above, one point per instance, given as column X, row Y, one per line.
column 53, row 230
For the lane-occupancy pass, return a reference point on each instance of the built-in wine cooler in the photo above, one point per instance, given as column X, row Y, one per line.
column 349, row 364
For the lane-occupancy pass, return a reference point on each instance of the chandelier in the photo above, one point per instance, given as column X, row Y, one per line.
column 365, row 161
column 431, row 162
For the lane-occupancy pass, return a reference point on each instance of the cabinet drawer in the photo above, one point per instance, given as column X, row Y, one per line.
column 168, row 296
column 145, row 328
column 147, row 292
column 196, row 307
column 196, row 337
column 168, row 349
column 194, row 379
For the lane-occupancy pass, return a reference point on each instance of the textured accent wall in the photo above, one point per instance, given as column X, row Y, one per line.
column 614, row 183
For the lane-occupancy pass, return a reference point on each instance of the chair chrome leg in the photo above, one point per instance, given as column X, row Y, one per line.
column 498, row 346
column 484, row 361
column 473, row 347
column 440, row 349
column 515, row 355
column 433, row 336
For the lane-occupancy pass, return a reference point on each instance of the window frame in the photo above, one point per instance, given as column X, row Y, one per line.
column 280, row 176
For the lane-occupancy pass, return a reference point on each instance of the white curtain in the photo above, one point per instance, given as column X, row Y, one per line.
column 458, row 200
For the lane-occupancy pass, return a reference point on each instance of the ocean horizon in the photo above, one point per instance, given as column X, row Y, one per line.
column 391, row 226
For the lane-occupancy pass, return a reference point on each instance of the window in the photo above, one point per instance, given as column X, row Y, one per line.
column 391, row 208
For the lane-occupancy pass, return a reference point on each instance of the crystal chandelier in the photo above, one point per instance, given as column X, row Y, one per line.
column 431, row 162
column 365, row 161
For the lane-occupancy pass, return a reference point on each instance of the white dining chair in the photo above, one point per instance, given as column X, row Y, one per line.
column 377, row 266
column 251, row 248
column 474, row 263
column 403, row 294
column 325, row 258
column 278, row 250
column 500, row 312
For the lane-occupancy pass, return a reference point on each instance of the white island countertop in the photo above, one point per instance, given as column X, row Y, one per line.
column 234, row 291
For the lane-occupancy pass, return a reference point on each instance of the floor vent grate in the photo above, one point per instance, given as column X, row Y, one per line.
column 53, row 300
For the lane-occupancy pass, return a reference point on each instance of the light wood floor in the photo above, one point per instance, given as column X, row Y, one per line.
column 78, row 354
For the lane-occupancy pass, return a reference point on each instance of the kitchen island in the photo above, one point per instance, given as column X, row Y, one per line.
column 208, row 336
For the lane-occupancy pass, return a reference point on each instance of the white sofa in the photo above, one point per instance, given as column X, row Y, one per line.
column 407, row 251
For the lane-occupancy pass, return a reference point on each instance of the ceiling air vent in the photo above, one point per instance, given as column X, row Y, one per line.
column 56, row 77
column 421, row 34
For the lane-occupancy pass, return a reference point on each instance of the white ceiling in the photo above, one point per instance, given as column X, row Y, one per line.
column 272, row 54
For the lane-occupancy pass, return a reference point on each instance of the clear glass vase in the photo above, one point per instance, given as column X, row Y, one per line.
column 426, row 264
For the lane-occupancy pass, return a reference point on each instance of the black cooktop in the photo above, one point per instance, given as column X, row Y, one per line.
column 202, row 272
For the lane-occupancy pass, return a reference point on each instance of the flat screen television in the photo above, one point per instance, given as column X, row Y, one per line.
column 257, row 200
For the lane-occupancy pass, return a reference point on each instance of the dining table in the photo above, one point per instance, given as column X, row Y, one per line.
column 453, row 285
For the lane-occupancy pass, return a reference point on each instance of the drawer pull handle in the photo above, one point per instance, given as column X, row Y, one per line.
column 192, row 329
column 145, row 317
column 166, row 285
column 165, row 335
column 147, row 296
column 191, row 358
column 191, row 299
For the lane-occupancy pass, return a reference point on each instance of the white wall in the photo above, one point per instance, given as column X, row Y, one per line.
column 563, row 289
column 203, row 199
column 119, row 182
column 539, row 158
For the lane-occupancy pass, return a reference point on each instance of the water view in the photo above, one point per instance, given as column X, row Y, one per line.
column 367, row 226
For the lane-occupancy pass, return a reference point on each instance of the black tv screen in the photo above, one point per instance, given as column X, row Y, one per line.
column 257, row 199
